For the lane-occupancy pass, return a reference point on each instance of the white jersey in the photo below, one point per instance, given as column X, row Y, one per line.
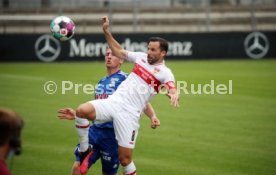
column 142, row 84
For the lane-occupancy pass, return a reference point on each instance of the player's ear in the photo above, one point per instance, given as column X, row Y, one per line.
column 163, row 53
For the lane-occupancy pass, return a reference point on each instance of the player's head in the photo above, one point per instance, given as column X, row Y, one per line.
column 111, row 61
column 157, row 49
column 11, row 125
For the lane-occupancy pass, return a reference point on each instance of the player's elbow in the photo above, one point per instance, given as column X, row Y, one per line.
column 120, row 54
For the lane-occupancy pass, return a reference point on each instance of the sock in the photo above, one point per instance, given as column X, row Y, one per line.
column 82, row 127
column 130, row 169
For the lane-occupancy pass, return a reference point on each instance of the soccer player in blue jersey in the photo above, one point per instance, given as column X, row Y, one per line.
column 101, row 135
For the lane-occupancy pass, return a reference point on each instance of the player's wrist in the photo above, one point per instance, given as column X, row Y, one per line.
column 106, row 30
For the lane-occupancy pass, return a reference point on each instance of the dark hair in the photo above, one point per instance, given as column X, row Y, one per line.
column 10, row 129
column 163, row 43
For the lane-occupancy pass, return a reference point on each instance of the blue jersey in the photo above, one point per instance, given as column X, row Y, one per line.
column 107, row 86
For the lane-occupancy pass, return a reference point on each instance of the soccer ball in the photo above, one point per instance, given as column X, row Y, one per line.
column 62, row 28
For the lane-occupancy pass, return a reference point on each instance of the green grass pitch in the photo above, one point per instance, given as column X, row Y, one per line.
column 207, row 135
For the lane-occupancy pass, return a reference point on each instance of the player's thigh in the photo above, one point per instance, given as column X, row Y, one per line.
column 104, row 108
column 126, row 129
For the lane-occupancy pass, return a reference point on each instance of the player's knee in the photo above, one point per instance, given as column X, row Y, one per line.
column 81, row 111
column 125, row 160
column 87, row 111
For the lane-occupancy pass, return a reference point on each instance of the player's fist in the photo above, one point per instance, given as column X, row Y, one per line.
column 105, row 22
column 66, row 113
column 154, row 122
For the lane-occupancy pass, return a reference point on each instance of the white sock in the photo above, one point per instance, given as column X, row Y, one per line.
column 130, row 169
column 82, row 127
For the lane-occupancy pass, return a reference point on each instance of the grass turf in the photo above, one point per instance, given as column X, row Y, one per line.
column 208, row 134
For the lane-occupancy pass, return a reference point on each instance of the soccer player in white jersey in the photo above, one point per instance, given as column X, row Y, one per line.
column 124, row 107
column 101, row 135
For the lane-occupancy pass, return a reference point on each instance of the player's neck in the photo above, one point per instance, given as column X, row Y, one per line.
column 160, row 61
column 111, row 71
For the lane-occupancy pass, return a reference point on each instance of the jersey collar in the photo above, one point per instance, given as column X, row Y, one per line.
column 163, row 62
column 113, row 73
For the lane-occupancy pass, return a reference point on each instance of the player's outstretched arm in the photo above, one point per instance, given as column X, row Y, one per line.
column 174, row 97
column 67, row 113
column 116, row 48
column 149, row 111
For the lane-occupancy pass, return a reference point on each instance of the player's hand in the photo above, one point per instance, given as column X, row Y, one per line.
column 66, row 113
column 174, row 99
column 105, row 23
column 154, row 122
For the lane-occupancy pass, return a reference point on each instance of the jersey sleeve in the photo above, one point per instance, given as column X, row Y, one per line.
column 134, row 56
column 170, row 80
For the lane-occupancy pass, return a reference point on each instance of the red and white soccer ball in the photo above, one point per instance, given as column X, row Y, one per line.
column 62, row 28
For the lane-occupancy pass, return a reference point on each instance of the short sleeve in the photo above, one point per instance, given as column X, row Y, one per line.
column 169, row 80
column 134, row 56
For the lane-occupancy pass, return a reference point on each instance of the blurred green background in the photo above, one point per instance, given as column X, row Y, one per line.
column 207, row 135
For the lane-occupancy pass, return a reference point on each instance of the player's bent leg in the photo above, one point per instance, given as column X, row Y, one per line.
column 125, row 157
column 83, row 113
column 82, row 125
column 86, row 110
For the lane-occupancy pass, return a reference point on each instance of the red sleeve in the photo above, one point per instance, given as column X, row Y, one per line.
column 170, row 85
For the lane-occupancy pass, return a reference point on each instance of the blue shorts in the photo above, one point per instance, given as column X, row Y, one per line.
column 105, row 147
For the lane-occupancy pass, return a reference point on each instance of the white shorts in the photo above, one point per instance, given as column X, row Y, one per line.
column 126, row 125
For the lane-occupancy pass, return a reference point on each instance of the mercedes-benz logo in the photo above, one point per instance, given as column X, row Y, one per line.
column 256, row 45
column 47, row 48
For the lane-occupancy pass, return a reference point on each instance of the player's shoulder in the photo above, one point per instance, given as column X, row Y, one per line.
column 167, row 72
column 165, row 68
column 102, row 80
column 120, row 74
